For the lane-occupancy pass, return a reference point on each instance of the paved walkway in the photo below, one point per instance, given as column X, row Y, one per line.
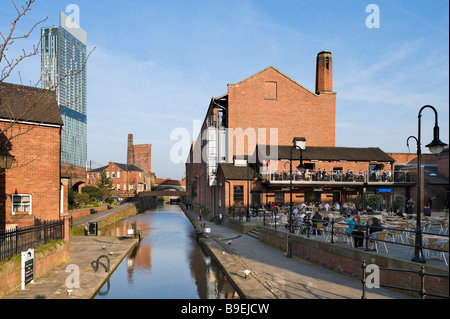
column 83, row 251
column 274, row 276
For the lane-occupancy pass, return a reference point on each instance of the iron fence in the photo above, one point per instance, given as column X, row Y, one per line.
column 421, row 291
column 331, row 230
column 14, row 241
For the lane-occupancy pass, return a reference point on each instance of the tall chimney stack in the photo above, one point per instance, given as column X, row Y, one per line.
column 130, row 150
column 324, row 73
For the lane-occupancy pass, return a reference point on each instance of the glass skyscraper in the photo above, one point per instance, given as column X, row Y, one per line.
column 63, row 66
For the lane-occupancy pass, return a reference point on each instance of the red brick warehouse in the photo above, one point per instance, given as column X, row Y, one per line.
column 230, row 159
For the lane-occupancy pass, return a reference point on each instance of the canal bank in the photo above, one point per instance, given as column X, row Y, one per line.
column 273, row 275
column 81, row 274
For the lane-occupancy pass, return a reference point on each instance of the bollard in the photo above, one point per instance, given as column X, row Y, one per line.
column 289, row 247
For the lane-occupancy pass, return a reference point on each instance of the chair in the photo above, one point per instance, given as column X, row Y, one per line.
column 318, row 228
column 396, row 233
column 443, row 253
column 381, row 236
column 412, row 242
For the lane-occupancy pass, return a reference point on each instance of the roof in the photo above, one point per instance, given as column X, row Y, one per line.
column 275, row 69
column 432, row 177
column 124, row 167
column 232, row 172
column 324, row 153
column 29, row 104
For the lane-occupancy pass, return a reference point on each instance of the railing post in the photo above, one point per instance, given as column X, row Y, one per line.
column 363, row 280
column 332, row 230
column 422, row 282
column 366, row 237
column 45, row 231
column 16, row 248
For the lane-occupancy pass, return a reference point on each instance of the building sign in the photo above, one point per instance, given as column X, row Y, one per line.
column 384, row 190
column 27, row 263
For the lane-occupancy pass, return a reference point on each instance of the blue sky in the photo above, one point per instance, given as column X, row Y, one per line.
column 157, row 64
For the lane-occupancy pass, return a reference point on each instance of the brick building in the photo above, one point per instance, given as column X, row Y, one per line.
column 128, row 179
column 242, row 154
column 30, row 129
column 141, row 156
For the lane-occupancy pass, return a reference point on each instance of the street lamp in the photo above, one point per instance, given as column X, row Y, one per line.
column 300, row 166
column 6, row 159
column 436, row 147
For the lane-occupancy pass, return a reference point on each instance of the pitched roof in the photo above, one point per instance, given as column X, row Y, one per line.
column 25, row 103
column 232, row 172
column 432, row 176
column 323, row 153
column 124, row 167
column 276, row 70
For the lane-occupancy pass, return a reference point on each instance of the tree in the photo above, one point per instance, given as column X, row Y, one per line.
column 93, row 192
column 9, row 41
column 399, row 202
column 374, row 200
column 105, row 185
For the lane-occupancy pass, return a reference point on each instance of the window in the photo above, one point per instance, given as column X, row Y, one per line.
column 118, row 187
column 118, row 174
column 21, row 203
column 270, row 90
column 113, row 174
column 139, row 175
column 238, row 195
column 279, row 198
column 130, row 187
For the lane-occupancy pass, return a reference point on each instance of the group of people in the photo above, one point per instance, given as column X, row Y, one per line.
column 308, row 220
column 305, row 220
column 356, row 230
column 339, row 175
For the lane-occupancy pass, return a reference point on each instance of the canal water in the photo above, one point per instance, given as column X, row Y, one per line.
column 168, row 263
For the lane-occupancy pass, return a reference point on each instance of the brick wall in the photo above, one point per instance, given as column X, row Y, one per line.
column 296, row 111
column 10, row 272
column 348, row 261
column 35, row 171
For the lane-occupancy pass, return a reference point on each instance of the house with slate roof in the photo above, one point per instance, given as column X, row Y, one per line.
column 128, row 179
column 30, row 130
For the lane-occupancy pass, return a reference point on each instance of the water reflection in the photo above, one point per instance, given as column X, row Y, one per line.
column 167, row 264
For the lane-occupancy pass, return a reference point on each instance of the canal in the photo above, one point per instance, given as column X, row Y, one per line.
column 168, row 263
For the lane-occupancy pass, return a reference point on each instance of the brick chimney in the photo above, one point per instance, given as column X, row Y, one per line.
column 324, row 73
column 130, row 150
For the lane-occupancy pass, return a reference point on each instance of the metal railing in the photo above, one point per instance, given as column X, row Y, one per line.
column 422, row 292
column 331, row 231
column 14, row 241
column 340, row 176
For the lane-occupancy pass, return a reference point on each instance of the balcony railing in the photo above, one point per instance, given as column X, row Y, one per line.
column 339, row 177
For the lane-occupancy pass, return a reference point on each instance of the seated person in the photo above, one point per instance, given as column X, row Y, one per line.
column 374, row 228
column 399, row 213
column 354, row 229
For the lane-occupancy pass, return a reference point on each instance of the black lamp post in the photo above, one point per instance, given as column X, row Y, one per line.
column 436, row 147
column 291, row 177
